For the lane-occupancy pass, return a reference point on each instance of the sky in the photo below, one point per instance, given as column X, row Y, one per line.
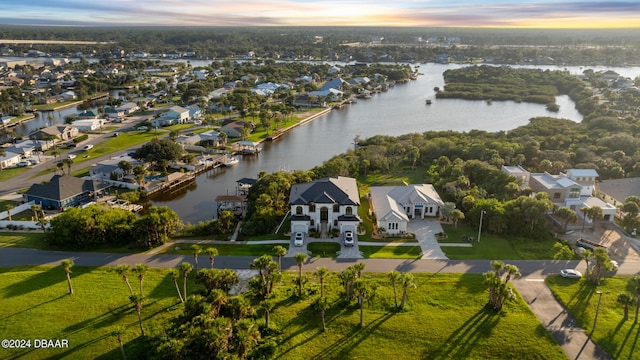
column 408, row 13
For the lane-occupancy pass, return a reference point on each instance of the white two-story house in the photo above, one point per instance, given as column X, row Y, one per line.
column 325, row 204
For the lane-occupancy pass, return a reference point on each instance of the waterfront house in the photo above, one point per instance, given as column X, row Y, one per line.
column 58, row 132
column 519, row 173
column 325, row 204
column 234, row 129
column 128, row 108
column 89, row 114
column 395, row 206
column 89, row 124
column 616, row 191
column 114, row 113
column 64, row 191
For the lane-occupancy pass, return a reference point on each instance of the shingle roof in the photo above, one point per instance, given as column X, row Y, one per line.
column 336, row 190
column 63, row 187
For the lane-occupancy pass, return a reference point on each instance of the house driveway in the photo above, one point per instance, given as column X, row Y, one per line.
column 425, row 231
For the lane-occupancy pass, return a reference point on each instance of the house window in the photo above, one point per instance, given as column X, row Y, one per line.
column 336, row 208
column 556, row 195
column 348, row 210
column 311, row 223
column 335, row 222
column 312, row 207
column 574, row 192
column 299, row 210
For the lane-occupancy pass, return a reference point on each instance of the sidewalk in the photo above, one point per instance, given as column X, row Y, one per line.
column 554, row 317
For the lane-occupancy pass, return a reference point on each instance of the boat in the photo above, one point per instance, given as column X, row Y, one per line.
column 428, row 102
column 231, row 161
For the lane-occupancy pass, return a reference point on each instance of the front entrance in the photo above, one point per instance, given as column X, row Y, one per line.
column 324, row 214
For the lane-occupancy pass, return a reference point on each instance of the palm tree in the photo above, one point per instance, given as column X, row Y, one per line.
column 212, row 252
column 407, row 281
column 196, row 250
column 9, row 207
column 279, row 251
column 174, row 278
column 358, row 268
column 68, row 162
column 267, row 305
column 141, row 270
column 321, row 304
column 395, row 277
column 567, row 216
column 67, row 264
column 586, row 255
column 601, row 262
column 137, row 301
column 118, row 332
column 625, row 299
column 636, row 281
column 456, row 215
column 300, row 259
column 123, row 270
column 185, row 269
column 322, row 273
column 364, row 289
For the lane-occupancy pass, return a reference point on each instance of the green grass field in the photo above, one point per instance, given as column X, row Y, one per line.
column 323, row 249
column 495, row 247
column 617, row 337
column 391, row 252
column 225, row 249
column 445, row 318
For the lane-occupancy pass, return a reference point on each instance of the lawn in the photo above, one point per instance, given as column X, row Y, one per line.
column 323, row 249
column 617, row 337
column 391, row 252
column 434, row 325
column 225, row 249
column 495, row 247
column 36, row 304
column 8, row 173
column 36, row 240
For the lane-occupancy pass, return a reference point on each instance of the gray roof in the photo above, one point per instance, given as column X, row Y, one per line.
column 620, row 189
column 63, row 187
column 336, row 190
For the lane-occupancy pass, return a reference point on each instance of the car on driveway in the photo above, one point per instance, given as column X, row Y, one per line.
column 570, row 273
column 348, row 238
column 298, row 239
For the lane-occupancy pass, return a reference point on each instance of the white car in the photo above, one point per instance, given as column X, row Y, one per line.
column 23, row 164
column 570, row 273
column 348, row 238
column 71, row 156
column 298, row 239
column 87, row 147
column 614, row 265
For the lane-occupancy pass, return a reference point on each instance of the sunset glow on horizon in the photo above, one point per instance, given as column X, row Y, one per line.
column 405, row 13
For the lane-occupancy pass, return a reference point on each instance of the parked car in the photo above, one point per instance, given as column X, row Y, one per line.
column 570, row 273
column 71, row 145
column 143, row 128
column 614, row 265
column 33, row 161
column 298, row 239
column 87, row 147
column 71, row 156
column 23, row 163
column 348, row 238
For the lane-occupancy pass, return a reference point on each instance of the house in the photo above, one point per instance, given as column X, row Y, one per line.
column 175, row 115
column 69, row 95
column 309, row 100
column 336, row 83
column 206, row 138
column 616, row 191
column 128, row 108
column 9, row 159
column 109, row 169
column 234, row 129
column 573, row 190
column 395, row 206
column 89, row 124
column 519, row 173
column 194, row 112
column 60, row 132
column 89, row 114
column 331, row 94
column 64, row 191
column 26, row 148
column 114, row 113
column 325, row 204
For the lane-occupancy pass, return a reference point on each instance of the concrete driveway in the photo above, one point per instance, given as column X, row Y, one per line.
column 425, row 231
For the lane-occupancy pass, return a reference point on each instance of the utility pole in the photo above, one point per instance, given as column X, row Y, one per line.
column 480, row 227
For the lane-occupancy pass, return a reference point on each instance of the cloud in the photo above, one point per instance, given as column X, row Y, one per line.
column 327, row 13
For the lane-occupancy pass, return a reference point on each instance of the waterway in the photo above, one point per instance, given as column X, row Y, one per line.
column 399, row 111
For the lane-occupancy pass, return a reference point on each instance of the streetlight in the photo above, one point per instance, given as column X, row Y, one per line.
column 480, row 227
column 595, row 319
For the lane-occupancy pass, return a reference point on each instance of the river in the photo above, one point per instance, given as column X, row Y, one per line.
column 399, row 111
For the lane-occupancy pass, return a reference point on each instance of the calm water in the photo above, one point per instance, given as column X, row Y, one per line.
column 399, row 111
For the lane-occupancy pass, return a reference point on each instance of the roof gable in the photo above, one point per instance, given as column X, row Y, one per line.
column 339, row 190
